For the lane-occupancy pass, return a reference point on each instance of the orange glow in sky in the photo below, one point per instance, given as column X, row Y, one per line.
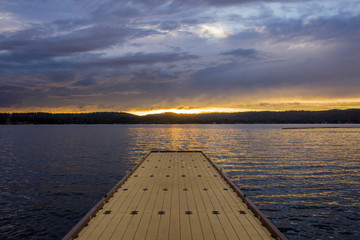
column 188, row 111
column 274, row 105
column 313, row 105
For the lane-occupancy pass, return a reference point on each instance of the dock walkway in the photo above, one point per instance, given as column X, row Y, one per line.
column 175, row 195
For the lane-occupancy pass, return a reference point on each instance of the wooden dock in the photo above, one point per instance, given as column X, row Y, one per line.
column 175, row 195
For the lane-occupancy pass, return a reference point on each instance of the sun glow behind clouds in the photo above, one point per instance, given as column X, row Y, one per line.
column 280, row 105
column 212, row 31
column 276, row 106
column 188, row 111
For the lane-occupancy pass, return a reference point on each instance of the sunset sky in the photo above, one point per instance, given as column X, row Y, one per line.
column 181, row 56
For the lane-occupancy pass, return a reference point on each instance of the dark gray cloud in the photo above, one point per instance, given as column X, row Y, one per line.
column 87, row 81
column 246, row 54
column 326, row 75
column 144, row 58
column 169, row 25
column 64, row 77
column 237, row 2
column 336, row 28
column 242, row 52
column 73, row 51
column 93, row 38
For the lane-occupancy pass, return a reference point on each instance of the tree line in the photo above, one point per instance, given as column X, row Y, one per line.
column 331, row 116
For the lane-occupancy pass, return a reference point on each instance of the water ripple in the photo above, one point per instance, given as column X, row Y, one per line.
column 306, row 181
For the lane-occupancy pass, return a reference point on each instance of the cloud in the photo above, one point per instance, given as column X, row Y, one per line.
column 144, row 58
column 84, row 40
column 176, row 52
column 85, row 82
column 64, row 77
column 247, row 54
column 338, row 28
column 239, row 2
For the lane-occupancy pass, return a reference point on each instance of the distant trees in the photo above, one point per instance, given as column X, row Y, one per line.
column 332, row 116
column 69, row 118
column 4, row 118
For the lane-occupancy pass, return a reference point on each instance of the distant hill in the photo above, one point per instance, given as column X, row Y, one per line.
column 331, row 116
column 69, row 118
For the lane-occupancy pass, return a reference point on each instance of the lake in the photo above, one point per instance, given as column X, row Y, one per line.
column 307, row 181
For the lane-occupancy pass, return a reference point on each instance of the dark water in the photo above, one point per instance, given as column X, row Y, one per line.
column 306, row 180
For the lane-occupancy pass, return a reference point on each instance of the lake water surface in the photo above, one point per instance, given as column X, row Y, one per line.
column 307, row 181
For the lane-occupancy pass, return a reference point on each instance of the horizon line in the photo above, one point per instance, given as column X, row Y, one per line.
column 181, row 112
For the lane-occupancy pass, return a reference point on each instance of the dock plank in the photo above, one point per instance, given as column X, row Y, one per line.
column 253, row 226
column 174, row 195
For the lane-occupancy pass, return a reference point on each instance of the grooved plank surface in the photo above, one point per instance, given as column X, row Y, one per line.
column 175, row 195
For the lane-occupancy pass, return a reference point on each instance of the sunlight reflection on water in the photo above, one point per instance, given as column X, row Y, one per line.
column 305, row 180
